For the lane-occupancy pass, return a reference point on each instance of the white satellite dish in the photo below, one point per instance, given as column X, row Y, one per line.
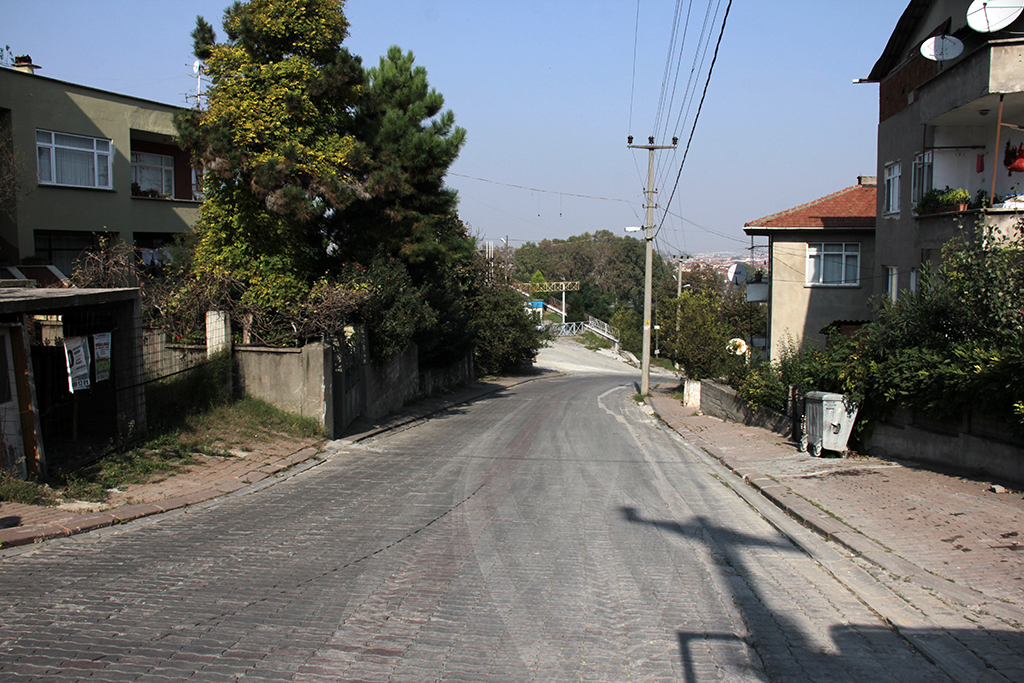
column 196, row 66
column 986, row 16
column 737, row 274
column 941, row 48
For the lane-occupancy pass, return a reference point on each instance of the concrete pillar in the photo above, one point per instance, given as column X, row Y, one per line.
column 218, row 332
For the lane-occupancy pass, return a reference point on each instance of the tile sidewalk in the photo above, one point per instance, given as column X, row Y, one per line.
column 212, row 477
column 950, row 534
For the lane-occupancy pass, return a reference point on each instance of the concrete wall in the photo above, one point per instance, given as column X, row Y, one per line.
column 309, row 382
column 391, row 385
column 960, row 446
column 719, row 400
column 295, row 380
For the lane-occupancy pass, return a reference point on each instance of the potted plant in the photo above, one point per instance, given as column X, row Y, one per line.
column 948, row 199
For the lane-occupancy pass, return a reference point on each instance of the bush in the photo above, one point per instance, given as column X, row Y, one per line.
column 761, row 386
column 506, row 333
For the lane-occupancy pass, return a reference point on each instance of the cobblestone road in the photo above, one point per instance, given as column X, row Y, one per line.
column 552, row 532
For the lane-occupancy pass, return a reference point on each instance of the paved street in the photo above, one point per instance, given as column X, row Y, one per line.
column 551, row 532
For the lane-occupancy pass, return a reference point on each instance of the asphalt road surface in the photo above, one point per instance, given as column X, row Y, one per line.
column 552, row 532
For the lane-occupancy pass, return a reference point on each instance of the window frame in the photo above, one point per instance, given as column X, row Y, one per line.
column 922, row 177
column 815, row 266
column 893, row 172
column 102, row 159
column 166, row 172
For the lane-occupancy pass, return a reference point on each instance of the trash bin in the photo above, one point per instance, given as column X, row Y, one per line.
column 829, row 419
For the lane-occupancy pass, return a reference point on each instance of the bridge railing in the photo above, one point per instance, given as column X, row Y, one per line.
column 591, row 323
column 603, row 328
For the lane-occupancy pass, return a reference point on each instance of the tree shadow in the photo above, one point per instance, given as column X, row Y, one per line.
column 858, row 651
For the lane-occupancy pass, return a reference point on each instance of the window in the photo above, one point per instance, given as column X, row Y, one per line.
column 892, row 188
column 152, row 175
column 73, row 160
column 921, row 179
column 891, row 282
column 835, row 263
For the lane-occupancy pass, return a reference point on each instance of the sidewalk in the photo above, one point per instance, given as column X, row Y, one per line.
column 212, row 477
column 951, row 534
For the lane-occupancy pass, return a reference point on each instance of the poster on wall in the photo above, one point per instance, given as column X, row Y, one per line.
column 101, row 346
column 76, row 350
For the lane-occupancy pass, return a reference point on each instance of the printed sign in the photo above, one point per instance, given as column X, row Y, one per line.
column 76, row 350
column 101, row 346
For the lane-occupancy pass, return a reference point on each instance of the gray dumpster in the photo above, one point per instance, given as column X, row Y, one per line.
column 829, row 419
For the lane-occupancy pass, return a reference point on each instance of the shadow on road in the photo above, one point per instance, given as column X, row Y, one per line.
column 857, row 652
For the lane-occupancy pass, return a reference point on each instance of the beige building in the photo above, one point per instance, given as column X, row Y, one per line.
column 820, row 256
column 88, row 163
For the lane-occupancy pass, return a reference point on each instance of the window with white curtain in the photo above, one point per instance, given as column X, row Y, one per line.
column 152, row 173
column 73, row 160
column 833, row 263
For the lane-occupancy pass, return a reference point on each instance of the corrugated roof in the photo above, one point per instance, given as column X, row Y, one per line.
column 853, row 207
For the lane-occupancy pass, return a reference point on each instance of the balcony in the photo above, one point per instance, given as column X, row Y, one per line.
column 936, row 229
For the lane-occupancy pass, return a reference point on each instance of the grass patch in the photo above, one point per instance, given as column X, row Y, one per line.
column 152, row 461
column 595, row 341
column 213, row 432
column 17, row 490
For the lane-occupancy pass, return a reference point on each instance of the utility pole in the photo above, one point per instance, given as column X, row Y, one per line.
column 645, row 363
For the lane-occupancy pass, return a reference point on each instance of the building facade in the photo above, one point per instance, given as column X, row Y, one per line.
column 820, row 255
column 88, row 163
column 955, row 122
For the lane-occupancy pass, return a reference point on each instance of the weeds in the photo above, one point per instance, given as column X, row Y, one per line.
column 211, row 432
column 18, row 490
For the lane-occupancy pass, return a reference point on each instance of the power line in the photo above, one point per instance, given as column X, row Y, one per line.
column 535, row 189
column 711, row 69
column 705, row 228
column 632, row 87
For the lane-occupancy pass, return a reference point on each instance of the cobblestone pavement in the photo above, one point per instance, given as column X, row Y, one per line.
column 549, row 532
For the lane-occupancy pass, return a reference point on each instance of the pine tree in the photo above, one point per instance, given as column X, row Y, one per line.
column 410, row 143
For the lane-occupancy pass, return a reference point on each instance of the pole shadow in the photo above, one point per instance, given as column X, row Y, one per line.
column 859, row 652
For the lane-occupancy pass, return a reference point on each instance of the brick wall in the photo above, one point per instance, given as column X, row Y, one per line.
column 894, row 91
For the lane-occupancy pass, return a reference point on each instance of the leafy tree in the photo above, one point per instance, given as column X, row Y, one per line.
column 508, row 334
column 698, row 341
column 273, row 143
column 629, row 324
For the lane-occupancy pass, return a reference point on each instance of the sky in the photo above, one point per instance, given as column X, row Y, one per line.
column 549, row 90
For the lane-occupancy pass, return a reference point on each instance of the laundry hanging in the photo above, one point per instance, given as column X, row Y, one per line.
column 1018, row 163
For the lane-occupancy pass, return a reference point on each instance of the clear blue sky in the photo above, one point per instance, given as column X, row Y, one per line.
column 548, row 90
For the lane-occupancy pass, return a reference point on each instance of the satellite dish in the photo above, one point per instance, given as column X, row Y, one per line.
column 941, row 48
column 196, row 66
column 986, row 16
column 737, row 274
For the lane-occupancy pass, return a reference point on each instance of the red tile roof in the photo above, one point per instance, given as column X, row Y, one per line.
column 853, row 207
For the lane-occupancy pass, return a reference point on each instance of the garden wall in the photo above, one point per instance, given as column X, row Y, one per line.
column 294, row 380
column 719, row 400
column 973, row 445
